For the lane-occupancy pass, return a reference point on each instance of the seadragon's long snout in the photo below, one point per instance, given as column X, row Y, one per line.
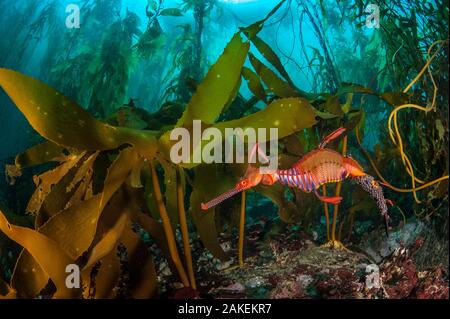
column 221, row 198
column 251, row 179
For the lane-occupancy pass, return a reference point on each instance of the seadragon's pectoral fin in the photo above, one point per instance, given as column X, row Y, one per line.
column 329, row 199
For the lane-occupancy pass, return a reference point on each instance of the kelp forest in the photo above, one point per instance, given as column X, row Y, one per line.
column 93, row 206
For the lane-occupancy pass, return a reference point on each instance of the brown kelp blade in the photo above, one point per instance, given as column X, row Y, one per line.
column 221, row 198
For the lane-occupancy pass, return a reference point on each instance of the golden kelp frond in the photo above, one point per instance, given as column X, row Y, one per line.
column 47, row 253
column 392, row 98
column 254, row 84
column 38, row 154
column 214, row 92
column 149, row 194
column 84, row 169
column 75, row 227
column 135, row 177
column 12, row 172
column 269, row 54
column 108, row 242
column 83, row 177
column 170, row 193
column 205, row 222
column 168, row 230
column 274, row 83
column 101, row 285
column 142, row 284
column 45, row 182
column 288, row 115
column 142, row 280
column 58, row 198
column 65, row 123
column 101, row 271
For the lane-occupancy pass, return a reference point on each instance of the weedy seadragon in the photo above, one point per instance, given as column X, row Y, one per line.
column 316, row 168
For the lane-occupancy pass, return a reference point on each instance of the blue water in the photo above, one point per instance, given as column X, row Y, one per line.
column 284, row 32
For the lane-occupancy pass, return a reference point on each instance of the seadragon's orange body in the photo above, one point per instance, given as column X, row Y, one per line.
column 316, row 168
column 319, row 167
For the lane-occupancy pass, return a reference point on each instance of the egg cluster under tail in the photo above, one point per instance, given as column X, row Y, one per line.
column 371, row 186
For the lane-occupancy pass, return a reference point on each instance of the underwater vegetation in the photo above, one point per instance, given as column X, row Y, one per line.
column 108, row 199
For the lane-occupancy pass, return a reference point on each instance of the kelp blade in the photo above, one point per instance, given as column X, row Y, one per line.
column 63, row 122
column 214, row 92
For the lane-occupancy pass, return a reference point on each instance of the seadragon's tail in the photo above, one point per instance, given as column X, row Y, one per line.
column 371, row 186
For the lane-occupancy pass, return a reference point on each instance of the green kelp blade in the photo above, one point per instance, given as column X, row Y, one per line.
column 74, row 228
column 274, row 83
column 209, row 182
column 392, row 98
column 254, row 84
column 294, row 145
column 214, row 92
column 333, row 106
column 346, row 88
column 173, row 12
column 288, row 115
column 267, row 52
column 395, row 98
column 354, row 118
column 65, row 123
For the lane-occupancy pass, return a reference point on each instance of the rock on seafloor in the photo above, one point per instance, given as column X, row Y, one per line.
column 290, row 265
